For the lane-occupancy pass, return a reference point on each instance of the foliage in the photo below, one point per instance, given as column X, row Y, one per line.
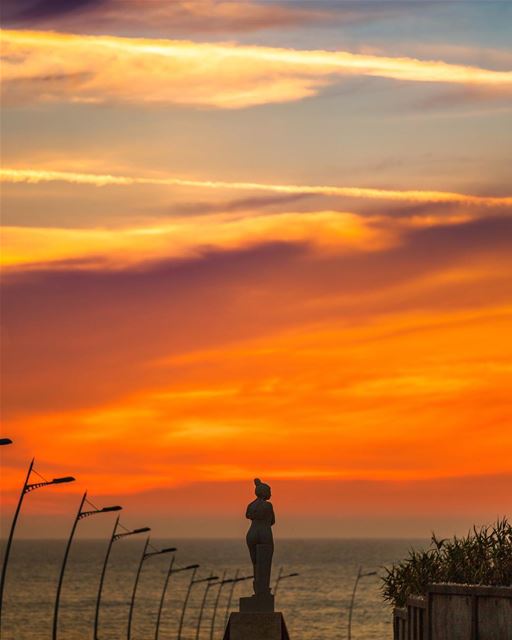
column 483, row 557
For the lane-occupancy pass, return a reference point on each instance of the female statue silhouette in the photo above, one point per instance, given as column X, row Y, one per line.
column 259, row 537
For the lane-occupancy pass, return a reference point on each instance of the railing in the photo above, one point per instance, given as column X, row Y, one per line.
column 456, row 612
column 400, row 624
column 416, row 618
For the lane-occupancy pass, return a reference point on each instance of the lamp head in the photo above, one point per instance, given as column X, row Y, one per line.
column 63, row 480
column 108, row 509
column 168, row 550
column 142, row 530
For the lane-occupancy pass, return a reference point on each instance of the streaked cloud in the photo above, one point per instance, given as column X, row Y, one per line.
column 186, row 237
column 397, row 359
column 145, row 317
column 46, row 67
column 36, row 176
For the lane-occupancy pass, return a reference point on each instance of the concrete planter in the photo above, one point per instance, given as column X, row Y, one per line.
column 456, row 612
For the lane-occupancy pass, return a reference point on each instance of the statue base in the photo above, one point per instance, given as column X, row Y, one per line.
column 256, row 626
column 260, row 603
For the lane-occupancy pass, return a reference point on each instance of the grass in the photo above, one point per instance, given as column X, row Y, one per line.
column 483, row 557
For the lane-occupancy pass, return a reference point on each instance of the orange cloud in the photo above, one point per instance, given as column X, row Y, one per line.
column 388, row 368
column 404, row 398
column 45, row 66
column 186, row 237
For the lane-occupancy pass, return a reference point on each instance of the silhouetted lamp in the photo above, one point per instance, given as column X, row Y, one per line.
column 80, row 515
column 280, row 577
column 145, row 555
column 171, row 571
column 28, row 487
column 360, row 575
column 191, row 584
column 113, row 538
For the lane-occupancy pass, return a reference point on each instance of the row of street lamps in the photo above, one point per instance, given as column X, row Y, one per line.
column 87, row 509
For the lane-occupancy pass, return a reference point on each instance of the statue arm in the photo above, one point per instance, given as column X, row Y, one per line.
column 249, row 512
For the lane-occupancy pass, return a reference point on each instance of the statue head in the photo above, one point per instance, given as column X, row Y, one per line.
column 262, row 490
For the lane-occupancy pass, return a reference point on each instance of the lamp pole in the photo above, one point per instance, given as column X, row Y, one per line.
column 145, row 555
column 280, row 577
column 191, row 584
column 27, row 488
column 222, row 582
column 80, row 515
column 170, row 572
column 113, row 538
column 234, row 582
column 360, row 575
column 209, row 583
column 231, row 581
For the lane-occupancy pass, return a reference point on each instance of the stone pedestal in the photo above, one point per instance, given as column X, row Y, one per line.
column 256, row 626
column 259, row 603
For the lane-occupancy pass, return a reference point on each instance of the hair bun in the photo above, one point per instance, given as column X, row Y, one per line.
column 257, row 481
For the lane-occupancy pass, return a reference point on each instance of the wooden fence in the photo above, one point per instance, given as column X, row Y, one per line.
column 456, row 612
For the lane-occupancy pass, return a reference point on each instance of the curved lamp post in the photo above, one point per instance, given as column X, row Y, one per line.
column 280, row 577
column 80, row 515
column 220, row 584
column 360, row 575
column 27, row 488
column 170, row 572
column 234, row 582
column 231, row 581
column 145, row 555
column 191, row 584
column 4, row 441
column 210, row 582
column 113, row 538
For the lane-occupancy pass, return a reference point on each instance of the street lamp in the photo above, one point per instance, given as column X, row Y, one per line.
column 113, row 538
column 191, row 584
column 170, row 572
column 231, row 581
column 234, row 582
column 209, row 583
column 360, row 575
column 280, row 577
column 220, row 584
column 80, row 515
column 27, row 488
column 145, row 555
column 4, row 441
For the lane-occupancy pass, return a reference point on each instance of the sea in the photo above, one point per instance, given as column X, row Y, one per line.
column 315, row 603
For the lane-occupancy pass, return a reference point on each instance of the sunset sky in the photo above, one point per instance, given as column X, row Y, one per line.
column 258, row 238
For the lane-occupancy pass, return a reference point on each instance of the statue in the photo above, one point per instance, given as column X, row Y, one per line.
column 259, row 538
column 257, row 619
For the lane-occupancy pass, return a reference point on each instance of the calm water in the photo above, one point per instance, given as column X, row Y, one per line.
column 315, row 604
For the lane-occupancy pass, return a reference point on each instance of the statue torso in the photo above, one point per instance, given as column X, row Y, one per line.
column 261, row 512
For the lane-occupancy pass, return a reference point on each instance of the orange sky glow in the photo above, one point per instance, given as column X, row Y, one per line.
column 228, row 257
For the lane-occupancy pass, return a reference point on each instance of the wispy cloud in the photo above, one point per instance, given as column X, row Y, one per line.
column 35, row 176
column 44, row 66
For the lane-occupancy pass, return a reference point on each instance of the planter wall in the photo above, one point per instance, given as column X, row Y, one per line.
column 456, row 612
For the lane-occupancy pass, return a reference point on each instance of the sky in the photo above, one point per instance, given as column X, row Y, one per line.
column 258, row 239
